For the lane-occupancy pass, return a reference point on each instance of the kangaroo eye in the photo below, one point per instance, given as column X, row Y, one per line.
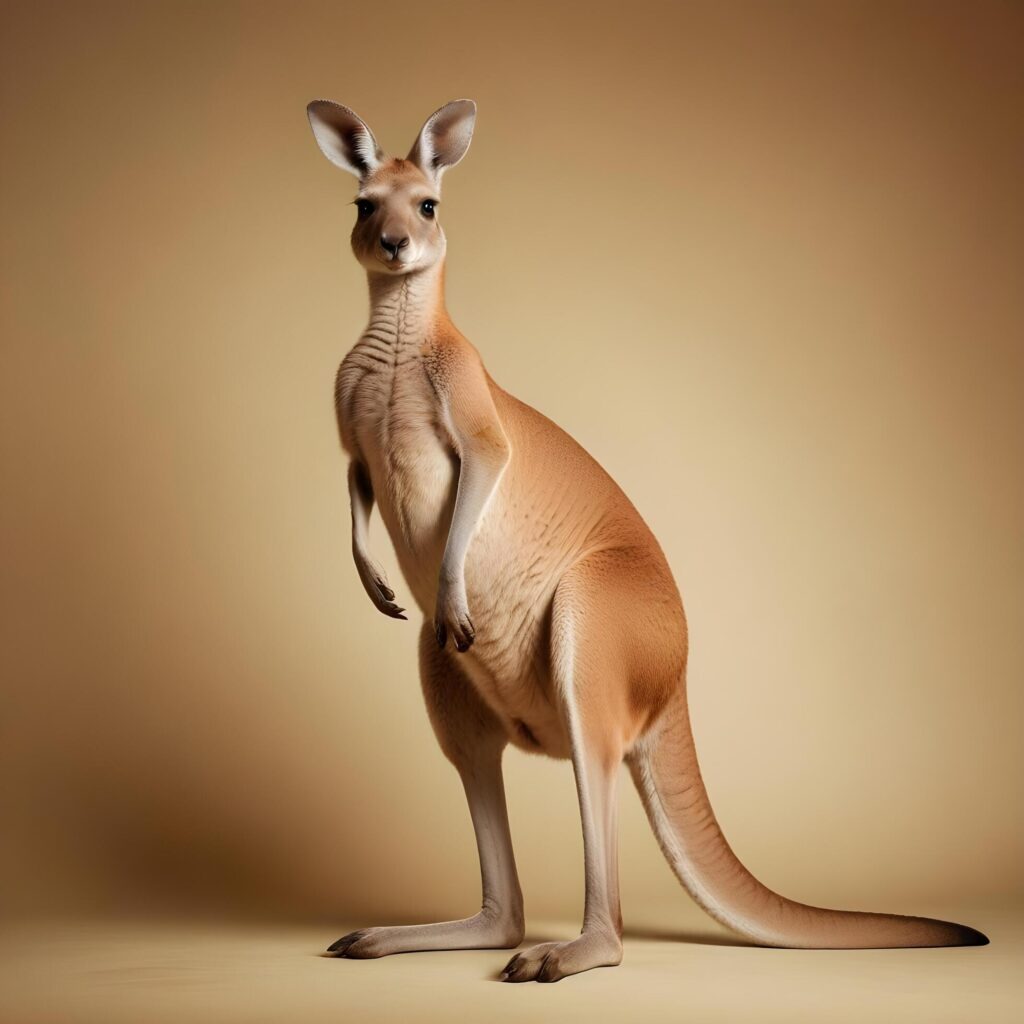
column 427, row 207
column 365, row 208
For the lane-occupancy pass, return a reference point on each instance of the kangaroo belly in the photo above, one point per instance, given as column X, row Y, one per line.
column 531, row 532
column 509, row 591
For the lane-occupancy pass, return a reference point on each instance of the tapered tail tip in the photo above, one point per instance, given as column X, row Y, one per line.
column 972, row 937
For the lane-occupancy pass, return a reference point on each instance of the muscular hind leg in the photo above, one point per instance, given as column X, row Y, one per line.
column 473, row 740
column 602, row 615
column 600, row 941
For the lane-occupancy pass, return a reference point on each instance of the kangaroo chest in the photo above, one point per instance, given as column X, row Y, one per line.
column 389, row 418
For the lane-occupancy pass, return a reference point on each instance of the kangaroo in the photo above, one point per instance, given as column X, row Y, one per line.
column 551, row 620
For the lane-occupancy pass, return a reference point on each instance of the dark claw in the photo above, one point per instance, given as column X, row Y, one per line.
column 464, row 645
column 388, row 593
column 344, row 942
column 508, row 974
column 442, row 634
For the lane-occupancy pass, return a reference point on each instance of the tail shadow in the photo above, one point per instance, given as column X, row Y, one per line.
column 693, row 938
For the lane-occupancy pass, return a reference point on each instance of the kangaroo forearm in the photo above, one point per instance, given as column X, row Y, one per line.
column 371, row 575
column 481, row 470
column 360, row 494
column 477, row 481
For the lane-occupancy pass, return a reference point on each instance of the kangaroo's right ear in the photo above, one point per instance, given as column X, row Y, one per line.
column 344, row 138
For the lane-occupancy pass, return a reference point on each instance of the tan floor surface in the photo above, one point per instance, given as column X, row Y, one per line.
column 107, row 973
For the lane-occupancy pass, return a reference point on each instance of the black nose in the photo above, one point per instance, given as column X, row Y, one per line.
column 392, row 245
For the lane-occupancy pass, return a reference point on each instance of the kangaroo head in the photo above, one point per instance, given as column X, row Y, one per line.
column 396, row 229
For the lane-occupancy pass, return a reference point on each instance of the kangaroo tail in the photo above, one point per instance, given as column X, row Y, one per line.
column 665, row 770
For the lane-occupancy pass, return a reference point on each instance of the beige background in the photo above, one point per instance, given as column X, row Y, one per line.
column 764, row 261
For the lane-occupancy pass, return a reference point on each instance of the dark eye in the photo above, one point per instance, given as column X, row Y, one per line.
column 365, row 208
column 427, row 207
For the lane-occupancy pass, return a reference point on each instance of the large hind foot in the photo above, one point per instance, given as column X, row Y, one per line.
column 480, row 932
column 552, row 961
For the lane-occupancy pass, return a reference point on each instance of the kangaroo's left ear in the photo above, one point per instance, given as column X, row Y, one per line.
column 444, row 138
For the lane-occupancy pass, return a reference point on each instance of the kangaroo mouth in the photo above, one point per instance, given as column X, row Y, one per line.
column 394, row 263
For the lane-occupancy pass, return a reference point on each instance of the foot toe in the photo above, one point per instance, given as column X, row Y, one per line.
column 524, row 966
column 550, row 970
column 341, row 945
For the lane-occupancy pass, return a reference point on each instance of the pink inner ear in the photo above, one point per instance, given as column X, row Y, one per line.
column 445, row 137
column 365, row 148
column 343, row 137
column 422, row 152
column 448, row 140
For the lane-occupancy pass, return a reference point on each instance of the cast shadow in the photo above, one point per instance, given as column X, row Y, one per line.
column 692, row 938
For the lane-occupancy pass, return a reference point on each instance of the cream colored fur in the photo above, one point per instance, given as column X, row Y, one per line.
column 550, row 617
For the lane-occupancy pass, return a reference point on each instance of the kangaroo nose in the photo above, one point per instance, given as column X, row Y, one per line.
column 392, row 245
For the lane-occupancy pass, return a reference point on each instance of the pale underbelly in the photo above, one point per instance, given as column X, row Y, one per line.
column 509, row 592
column 523, row 704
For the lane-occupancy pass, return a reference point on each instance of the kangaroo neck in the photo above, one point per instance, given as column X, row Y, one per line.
column 404, row 308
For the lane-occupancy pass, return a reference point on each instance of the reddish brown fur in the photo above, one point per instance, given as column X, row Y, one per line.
column 570, row 636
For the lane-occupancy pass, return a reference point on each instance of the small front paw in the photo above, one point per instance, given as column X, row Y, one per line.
column 452, row 618
column 385, row 600
column 376, row 586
